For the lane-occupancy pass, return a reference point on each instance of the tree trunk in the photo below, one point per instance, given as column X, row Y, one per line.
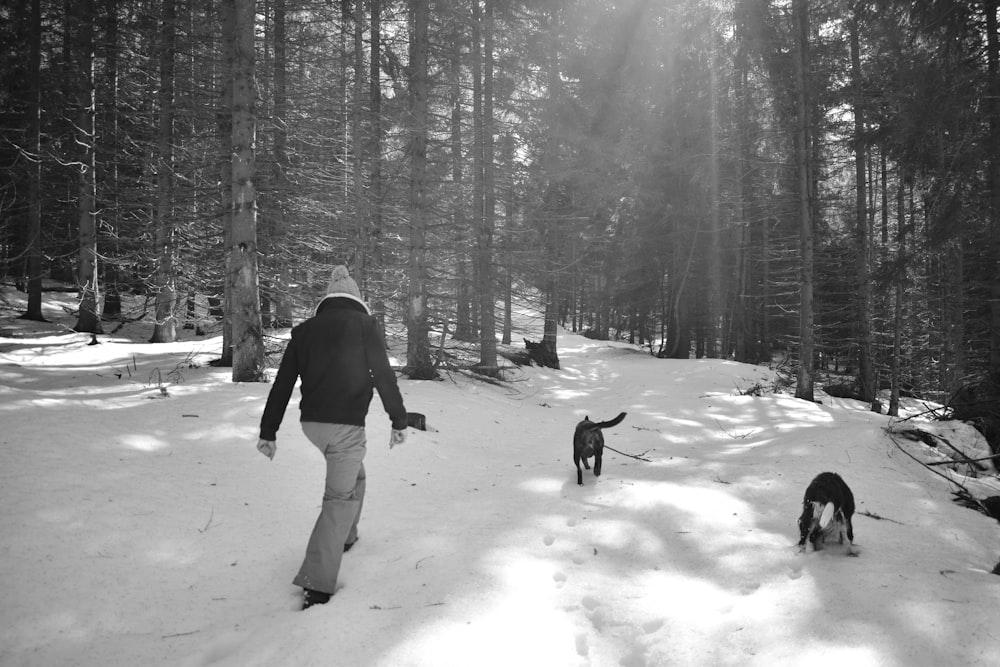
column 714, row 305
column 866, row 372
column 508, row 241
column 280, row 298
column 375, row 155
column 993, row 83
column 89, row 318
column 227, row 19
column 487, row 300
column 897, row 309
column 244, row 308
column 358, row 144
column 112, row 217
column 804, row 384
column 953, row 303
column 418, row 353
column 464, row 329
column 34, row 251
column 165, row 328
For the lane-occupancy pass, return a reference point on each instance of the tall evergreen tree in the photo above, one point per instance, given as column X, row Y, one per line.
column 244, row 307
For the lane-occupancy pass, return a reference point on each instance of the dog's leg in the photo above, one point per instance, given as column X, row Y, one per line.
column 579, row 473
column 597, row 464
column 849, row 529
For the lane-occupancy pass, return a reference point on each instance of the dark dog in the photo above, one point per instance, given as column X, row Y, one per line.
column 589, row 441
column 827, row 508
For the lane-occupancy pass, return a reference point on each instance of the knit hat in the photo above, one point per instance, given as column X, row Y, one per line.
column 342, row 285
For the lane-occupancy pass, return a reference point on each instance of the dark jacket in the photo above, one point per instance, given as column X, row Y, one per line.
column 340, row 355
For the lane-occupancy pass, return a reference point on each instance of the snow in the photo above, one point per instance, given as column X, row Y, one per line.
column 140, row 526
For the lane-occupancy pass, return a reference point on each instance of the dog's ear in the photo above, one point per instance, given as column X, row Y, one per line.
column 827, row 516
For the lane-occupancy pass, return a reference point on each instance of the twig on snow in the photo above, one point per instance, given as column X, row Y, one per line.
column 631, row 456
column 872, row 515
column 202, row 530
column 978, row 502
column 738, row 436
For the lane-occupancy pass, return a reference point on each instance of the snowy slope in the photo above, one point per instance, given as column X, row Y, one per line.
column 142, row 528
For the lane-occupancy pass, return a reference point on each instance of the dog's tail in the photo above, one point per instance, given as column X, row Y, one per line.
column 608, row 424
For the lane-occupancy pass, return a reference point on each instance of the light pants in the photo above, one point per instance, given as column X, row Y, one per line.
column 337, row 524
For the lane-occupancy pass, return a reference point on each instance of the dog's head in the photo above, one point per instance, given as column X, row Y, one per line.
column 588, row 436
column 816, row 522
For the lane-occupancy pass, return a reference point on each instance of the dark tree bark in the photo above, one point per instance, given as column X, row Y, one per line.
column 804, row 381
column 227, row 19
column 248, row 341
column 89, row 317
column 418, row 353
column 34, row 240
column 375, row 185
column 897, row 306
column 165, row 327
column 280, row 299
column 487, row 222
column 112, row 216
column 866, row 372
column 993, row 86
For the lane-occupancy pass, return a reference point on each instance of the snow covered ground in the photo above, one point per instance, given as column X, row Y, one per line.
column 139, row 525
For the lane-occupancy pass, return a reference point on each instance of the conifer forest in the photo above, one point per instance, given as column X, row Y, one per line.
column 810, row 181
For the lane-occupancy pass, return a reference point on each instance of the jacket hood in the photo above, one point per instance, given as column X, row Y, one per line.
column 343, row 295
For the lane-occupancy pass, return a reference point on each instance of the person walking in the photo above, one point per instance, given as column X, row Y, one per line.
column 339, row 353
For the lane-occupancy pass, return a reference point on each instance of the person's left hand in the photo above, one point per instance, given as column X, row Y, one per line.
column 267, row 447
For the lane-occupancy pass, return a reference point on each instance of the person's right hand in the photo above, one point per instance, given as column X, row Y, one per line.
column 398, row 437
column 267, row 447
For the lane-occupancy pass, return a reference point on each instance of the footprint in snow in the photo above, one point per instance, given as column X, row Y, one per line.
column 649, row 627
column 548, row 539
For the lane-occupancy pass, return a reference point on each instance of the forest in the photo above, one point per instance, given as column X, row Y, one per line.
column 816, row 181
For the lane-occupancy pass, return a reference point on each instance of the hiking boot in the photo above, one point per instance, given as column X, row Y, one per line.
column 311, row 597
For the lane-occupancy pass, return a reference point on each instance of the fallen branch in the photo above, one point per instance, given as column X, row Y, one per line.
column 933, row 440
column 631, row 456
column 202, row 530
column 937, row 412
column 948, row 479
column 872, row 515
column 964, row 460
column 736, row 436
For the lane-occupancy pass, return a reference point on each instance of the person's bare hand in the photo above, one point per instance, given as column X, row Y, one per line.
column 267, row 447
column 398, row 437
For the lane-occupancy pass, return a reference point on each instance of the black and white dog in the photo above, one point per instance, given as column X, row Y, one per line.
column 827, row 508
column 589, row 441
